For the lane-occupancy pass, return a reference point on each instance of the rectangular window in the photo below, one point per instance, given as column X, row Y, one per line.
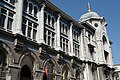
column 76, row 49
column 9, row 25
column 64, row 44
column 29, row 32
column 6, row 17
column 3, row 15
column 2, row 20
column 49, row 37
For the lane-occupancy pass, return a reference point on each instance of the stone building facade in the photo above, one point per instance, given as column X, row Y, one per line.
column 38, row 41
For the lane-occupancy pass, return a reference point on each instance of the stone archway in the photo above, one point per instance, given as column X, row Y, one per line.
column 25, row 73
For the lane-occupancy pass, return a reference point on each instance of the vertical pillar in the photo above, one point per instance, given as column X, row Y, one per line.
column 71, row 41
column 58, row 33
column 18, row 21
column 40, row 33
column 82, row 56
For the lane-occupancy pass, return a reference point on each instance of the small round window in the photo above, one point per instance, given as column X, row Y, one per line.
column 96, row 25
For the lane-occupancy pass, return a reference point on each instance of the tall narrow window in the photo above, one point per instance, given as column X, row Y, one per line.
column 35, row 11
column 45, row 17
column 30, row 8
column 10, row 21
column 25, row 5
column 49, row 18
column 3, row 17
column 34, row 31
column 77, row 75
column 24, row 21
column 53, row 22
column 29, row 29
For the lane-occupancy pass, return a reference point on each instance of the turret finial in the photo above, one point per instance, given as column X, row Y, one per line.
column 89, row 10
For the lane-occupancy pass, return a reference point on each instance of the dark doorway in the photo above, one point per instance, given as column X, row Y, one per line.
column 44, row 76
column 25, row 73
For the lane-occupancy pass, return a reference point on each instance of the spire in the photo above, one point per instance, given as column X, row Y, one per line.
column 89, row 10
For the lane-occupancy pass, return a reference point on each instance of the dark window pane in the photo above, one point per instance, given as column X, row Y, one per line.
column 25, row 5
column 2, row 20
column 34, row 34
column 12, row 1
column 30, row 8
column 29, row 32
column 23, row 29
column 9, row 25
column 35, row 11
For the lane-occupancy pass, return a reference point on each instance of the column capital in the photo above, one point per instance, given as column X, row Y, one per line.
column 43, row 6
column 71, row 24
column 59, row 15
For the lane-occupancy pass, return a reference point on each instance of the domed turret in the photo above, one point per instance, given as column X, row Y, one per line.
column 88, row 15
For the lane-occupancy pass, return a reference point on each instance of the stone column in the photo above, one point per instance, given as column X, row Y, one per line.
column 40, row 29
column 39, row 74
column 71, row 41
column 58, row 33
column 13, row 72
column 18, row 20
column 82, row 56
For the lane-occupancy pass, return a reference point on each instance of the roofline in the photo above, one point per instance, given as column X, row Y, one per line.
column 63, row 14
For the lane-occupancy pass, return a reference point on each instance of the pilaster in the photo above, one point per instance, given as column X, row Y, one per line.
column 18, row 20
column 40, row 34
column 71, row 41
column 58, row 33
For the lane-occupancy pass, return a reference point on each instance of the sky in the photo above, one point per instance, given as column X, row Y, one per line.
column 110, row 9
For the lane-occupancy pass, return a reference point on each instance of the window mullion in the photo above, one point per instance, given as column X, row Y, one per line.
column 47, row 37
column 26, row 31
column 31, row 32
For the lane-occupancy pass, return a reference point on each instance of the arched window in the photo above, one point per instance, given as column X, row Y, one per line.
column 49, row 71
column 53, row 21
column 25, row 5
column 35, row 11
column 104, row 40
column 30, row 8
column 45, row 17
column 25, row 73
column 65, row 74
column 77, row 75
column 49, row 18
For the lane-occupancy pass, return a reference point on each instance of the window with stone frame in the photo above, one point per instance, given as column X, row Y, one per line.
column 49, row 37
column 89, row 35
column 29, row 29
column 76, row 49
column 49, row 19
column 76, row 41
column 25, row 3
column 6, row 17
column 76, row 35
column 64, row 44
column 50, row 66
column 64, row 28
column 77, row 76
column 30, row 8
